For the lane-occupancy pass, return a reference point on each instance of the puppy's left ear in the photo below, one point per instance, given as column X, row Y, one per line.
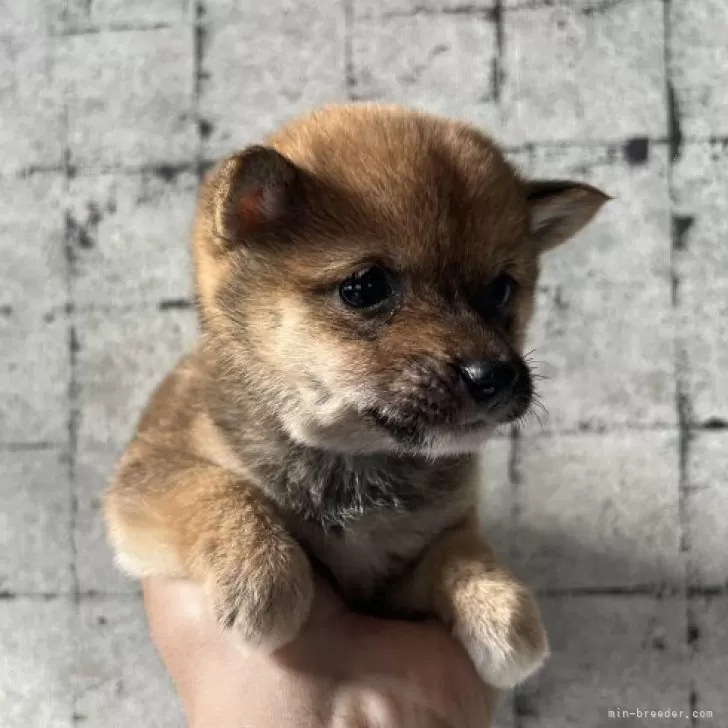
column 559, row 209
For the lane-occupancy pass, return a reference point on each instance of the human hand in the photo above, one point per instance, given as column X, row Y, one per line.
column 343, row 671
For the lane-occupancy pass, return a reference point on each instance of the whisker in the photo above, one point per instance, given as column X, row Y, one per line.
column 540, row 406
column 501, row 431
column 537, row 408
column 540, row 377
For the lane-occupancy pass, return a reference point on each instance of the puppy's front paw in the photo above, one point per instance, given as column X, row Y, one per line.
column 499, row 624
column 265, row 594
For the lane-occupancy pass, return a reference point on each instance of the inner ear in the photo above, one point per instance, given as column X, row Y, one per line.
column 254, row 190
column 558, row 209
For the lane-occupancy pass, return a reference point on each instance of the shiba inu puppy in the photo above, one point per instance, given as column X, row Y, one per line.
column 364, row 278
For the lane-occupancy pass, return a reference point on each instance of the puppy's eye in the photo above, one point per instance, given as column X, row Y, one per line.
column 367, row 288
column 496, row 295
column 500, row 291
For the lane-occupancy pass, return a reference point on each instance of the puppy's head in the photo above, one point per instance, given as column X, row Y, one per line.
column 369, row 274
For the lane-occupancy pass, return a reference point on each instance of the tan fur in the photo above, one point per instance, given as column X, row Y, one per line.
column 494, row 616
column 260, row 449
column 222, row 532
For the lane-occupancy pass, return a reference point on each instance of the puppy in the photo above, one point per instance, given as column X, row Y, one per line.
column 364, row 283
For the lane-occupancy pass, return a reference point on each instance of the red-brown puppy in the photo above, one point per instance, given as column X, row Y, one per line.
column 364, row 280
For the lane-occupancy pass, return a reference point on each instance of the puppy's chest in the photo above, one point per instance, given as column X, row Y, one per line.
column 365, row 519
column 373, row 550
column 342, row 493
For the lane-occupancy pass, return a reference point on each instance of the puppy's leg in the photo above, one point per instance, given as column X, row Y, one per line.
column 491, row 613
column 171, row 514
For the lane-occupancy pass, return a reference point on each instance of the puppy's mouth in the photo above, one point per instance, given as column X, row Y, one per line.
column 404, row 430
column 413, row 430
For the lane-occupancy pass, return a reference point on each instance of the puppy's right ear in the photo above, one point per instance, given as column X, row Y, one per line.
column 559, row 209
column 253, row 190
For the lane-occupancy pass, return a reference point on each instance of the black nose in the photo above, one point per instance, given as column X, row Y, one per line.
column 488, row 381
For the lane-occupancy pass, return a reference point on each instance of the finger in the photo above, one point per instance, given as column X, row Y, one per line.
column 185, row 632
column 182, row 624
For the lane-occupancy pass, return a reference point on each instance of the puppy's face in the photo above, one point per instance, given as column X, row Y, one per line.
column 372, row 274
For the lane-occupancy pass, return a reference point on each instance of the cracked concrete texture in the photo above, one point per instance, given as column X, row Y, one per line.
column 614, row 507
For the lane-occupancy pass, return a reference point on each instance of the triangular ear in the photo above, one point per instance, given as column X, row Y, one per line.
column 253, row 191
column 559, row 209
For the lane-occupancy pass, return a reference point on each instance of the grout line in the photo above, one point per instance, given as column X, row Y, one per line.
column 682, row 398
column 189, row 304
column 176, row 304
column 166, row 172
column 70, row 239
column 31, row 446
column 515, row 482
column 164, row 304
column 349, row 72
column 199, row 19
column 9, row 595
column 204, row 128
column 597, row 6
column 169, row 172
column 112, row 28
column 647, row 590
column 712, row 425
column 497, row 71
column 610, row 144
column 707, row 592
column 658, row 591
column 72, row 422
column 629, row 429
column 465, row 10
